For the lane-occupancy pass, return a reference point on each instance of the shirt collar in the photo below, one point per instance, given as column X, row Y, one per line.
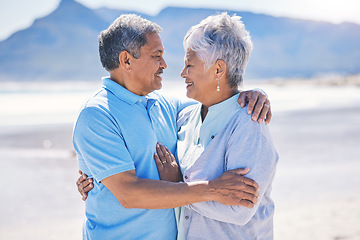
column 230, row 102
column 122, row 93
column 152, row 99
column 217, row 118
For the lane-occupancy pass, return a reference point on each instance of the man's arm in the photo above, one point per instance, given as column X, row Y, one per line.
column 134, row 192
column 119, row 176
column 231, row 188
column 257, row 100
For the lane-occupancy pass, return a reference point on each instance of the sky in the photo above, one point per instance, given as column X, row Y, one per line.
column 20, row 14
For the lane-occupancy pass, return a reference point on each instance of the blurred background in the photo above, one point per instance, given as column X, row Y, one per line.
column 306, row 58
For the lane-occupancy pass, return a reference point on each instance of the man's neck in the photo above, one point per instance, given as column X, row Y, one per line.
column 122, row 81
column 115, row 76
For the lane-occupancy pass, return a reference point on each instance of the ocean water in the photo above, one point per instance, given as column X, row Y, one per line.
column 49, row 103
column 316, row 130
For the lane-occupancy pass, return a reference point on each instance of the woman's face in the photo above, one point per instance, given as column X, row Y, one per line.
column 200, row 83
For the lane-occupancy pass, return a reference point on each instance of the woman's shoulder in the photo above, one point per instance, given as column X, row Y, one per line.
column 241, row 116
column 242, row 125
column 242, row 122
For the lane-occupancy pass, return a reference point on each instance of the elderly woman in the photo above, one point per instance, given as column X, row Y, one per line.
column 217, row 135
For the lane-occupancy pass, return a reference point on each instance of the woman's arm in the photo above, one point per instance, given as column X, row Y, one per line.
column 250, row 145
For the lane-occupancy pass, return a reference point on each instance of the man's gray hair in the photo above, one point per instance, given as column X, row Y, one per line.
column 221, row 37
column 128, row 32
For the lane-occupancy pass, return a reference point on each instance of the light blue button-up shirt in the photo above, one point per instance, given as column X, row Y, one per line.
column 227, row 139
column 117, row 131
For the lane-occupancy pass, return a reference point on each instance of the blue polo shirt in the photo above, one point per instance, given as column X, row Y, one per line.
column 117, row 131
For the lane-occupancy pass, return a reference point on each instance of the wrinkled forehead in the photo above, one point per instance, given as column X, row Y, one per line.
column 154, row 43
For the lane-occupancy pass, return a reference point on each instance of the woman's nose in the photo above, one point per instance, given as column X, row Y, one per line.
column 183, row 73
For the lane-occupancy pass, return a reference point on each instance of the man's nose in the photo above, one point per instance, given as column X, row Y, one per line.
column 163, row 64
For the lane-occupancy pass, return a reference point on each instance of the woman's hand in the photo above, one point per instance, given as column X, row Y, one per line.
column 84, row 185
column 166, row 164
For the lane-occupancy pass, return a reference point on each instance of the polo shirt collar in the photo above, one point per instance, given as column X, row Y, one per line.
column 122, row 93
column 152, row 98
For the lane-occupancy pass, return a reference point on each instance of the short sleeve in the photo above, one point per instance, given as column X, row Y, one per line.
column 100, row 145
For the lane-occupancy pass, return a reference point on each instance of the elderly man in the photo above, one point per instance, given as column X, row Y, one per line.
column 115, row 137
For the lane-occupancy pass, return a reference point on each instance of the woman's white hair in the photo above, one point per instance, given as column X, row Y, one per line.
column 221, row 37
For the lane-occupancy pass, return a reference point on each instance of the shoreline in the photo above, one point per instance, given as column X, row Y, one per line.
column 315, row 188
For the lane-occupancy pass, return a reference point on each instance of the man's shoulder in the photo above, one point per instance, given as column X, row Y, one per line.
column 163, row 98
column 102, row 99
column 96, row 98
column 170, row 104
column 96, row 103
column 185, row 114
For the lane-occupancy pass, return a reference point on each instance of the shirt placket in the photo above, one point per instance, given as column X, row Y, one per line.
column 152, row 109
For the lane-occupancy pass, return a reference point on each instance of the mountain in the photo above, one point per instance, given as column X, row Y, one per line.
column 60, row 46
column 63, row 45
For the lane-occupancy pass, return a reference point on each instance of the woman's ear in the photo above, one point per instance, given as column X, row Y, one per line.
column 220, row 69
column 125, row 59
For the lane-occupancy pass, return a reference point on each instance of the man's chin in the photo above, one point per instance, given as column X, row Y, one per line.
column 158, row 86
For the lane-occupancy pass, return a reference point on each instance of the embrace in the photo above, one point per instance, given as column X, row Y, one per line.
column 156, row 167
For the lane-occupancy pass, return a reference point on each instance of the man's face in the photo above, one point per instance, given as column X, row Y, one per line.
column 147, row 70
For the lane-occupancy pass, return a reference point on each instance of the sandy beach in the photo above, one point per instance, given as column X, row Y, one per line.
column 316, row 188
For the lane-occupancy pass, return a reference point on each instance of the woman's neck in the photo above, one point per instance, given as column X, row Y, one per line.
column 224, row 96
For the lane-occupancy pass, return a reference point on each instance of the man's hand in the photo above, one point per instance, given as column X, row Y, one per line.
column 166, row 164
column 84, row 185
column 258, row 105
column 232, row 188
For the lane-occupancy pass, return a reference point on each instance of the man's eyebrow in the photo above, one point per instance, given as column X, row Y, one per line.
column 159, row 51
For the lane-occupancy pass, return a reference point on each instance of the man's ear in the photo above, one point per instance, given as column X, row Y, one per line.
column 220, row 69
column 125, row 60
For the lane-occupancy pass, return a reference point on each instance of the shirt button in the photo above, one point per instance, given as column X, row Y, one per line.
column 186, row 217
column 140, row 100
column 212, row 137
column 186, row 177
